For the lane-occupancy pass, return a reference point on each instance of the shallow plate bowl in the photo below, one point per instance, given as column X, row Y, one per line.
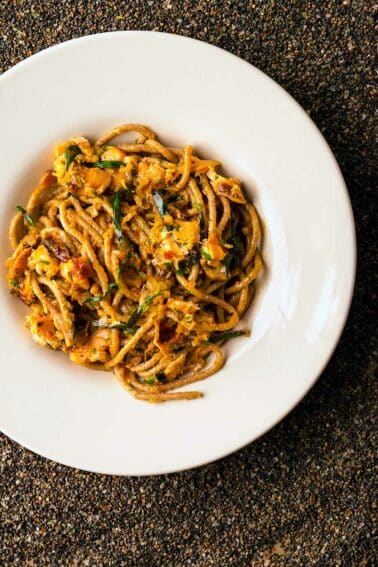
column 188, row 92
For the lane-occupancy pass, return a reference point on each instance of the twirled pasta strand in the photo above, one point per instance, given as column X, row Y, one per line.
column 136, row 258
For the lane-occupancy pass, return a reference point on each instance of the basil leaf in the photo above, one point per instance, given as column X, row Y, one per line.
column 159, row 202
column 111, row 286
column 94, row 299
column 15, row 283
column 182, row 271
column 27, row 217
column 198, row 206
column 186, row 265
column 124, row 328
column 193, row 258
column 141, row 309
column 120, row 269
column 105, row 164
column 70, row 154
column 234, row 257
column 145, row 306
column 218, row 337
column 117, row 215
column 97, row 298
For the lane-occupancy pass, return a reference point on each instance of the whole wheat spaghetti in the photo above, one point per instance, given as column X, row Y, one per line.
column 136, row 258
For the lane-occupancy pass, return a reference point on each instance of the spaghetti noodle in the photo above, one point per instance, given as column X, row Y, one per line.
column 138, row 259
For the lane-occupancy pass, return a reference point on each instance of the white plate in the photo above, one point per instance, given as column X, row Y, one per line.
column 189, row 92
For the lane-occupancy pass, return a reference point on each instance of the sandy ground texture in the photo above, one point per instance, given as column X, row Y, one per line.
column 304, row 493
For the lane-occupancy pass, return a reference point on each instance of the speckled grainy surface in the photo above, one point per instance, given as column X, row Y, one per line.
column 304, row 493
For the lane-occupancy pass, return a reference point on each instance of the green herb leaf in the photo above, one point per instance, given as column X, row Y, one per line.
column 124, row 328
column 141, row 309
column 105, row 164
column 206, row 255
column 234, row 256
column 158, row 377
column 186, row 265
column 198, row 206
column 161, row 377
column 218, row 337
column 150, row 381
column 160, row 204
column 120, row 269
column 94, row 299
column 69, row 194
column 97, row 298
column 117, row 215
column 111, row 286
column 15, row 283
column 193, row 258
column 129, row 328
column 27, row 217
column 70, row 154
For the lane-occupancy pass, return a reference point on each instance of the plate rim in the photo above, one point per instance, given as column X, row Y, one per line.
column 352, row 253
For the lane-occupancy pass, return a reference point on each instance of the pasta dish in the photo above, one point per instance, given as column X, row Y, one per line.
column 136, row 258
